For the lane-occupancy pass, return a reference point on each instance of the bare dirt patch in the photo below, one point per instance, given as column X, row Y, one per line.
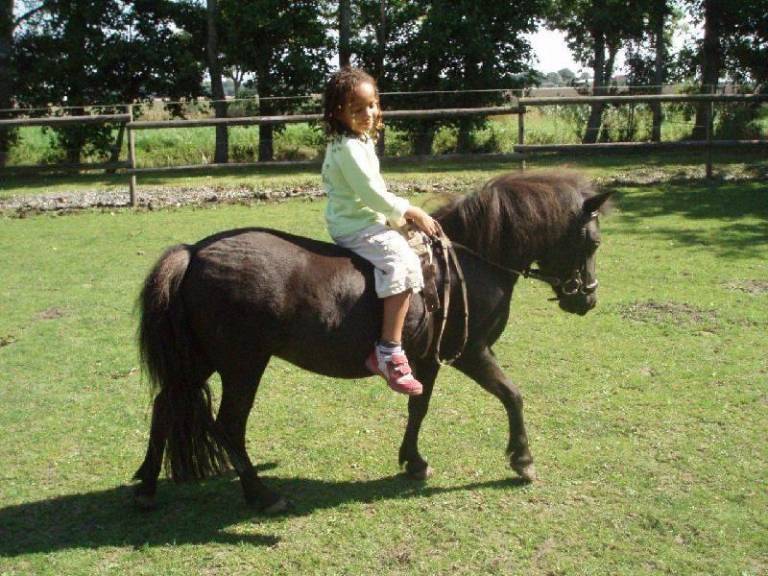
column 677, row 313
column 50, row 314
column 753, row 287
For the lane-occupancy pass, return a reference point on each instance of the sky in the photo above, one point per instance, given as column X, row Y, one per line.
column 552, row 53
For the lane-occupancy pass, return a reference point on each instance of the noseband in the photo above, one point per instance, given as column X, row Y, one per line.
column 574, row 284
column 571, row 286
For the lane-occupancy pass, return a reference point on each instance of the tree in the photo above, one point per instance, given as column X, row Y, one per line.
column 77, row 53
column 345, row 14
column 735, row 41
column 647, row 58
column 284, row 44
column 438, row 45
column 746, row 50
column 711, row 61
column 566, row 75
column 221, row 153
column 658, row 19
column 595, row 30
column 6, row 74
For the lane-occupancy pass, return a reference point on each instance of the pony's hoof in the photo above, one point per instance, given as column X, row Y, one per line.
column 144, row 502
column 527, row 472
column 277, row 507
column 421, row 474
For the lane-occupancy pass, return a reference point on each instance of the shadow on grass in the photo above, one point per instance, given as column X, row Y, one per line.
column 738, row 211
column 189, row 514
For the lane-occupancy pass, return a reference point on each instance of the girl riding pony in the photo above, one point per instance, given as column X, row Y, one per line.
column 360, row 211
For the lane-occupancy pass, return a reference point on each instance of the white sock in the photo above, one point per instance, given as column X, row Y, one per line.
column 385, row 350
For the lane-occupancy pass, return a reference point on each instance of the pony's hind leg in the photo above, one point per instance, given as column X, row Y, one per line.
column 237, row 396
column 148, row 472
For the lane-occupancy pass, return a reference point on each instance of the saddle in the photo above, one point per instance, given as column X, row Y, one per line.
column 422, row 246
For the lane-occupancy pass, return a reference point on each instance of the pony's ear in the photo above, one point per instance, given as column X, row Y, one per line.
column 592, row 205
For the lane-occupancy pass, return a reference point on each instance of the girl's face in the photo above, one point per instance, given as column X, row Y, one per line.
column 360, row 111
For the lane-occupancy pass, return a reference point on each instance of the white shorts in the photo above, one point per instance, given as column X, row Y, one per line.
column 396, row 266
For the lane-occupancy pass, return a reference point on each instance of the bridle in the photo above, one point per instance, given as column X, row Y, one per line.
column 572, row 285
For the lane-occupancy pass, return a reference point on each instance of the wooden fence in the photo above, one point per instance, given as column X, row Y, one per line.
column 517, row 106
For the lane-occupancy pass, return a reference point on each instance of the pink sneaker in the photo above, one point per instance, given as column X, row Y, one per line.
column 396, row 372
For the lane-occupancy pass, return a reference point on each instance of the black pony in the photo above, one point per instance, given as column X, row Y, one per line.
column 232, row 301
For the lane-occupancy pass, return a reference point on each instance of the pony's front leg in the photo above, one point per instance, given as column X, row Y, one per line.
column 482, row 368
column 415, row 466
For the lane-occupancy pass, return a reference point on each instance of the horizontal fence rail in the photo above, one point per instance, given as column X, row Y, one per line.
column 67, row 120
column 643, row 98
column 512, row 106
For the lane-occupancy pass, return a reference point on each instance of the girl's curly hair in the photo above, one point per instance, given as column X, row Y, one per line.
column 338, row 92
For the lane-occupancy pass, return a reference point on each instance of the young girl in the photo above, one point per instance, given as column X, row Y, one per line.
column 359, row 208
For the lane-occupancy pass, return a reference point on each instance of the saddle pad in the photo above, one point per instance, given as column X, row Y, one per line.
column 420, row 244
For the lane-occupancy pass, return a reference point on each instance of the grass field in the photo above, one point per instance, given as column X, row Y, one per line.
column 647, row 417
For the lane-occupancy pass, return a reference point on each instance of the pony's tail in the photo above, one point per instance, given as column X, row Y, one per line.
column 168, row 357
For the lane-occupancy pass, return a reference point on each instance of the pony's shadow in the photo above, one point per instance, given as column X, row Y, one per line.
column 196, row 513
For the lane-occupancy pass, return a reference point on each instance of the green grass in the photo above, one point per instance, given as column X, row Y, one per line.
column 647, row 417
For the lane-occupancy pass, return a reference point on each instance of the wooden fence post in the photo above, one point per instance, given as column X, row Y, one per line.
column 132, row 159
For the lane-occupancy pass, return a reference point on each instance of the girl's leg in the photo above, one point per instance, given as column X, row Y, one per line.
column 395, row 310
column 388, row 358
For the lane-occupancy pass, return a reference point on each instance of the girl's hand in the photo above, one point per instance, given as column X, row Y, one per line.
column 423, row 221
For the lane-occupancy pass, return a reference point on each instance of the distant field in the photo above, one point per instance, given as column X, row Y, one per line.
column 545, row 125
column 647, row 417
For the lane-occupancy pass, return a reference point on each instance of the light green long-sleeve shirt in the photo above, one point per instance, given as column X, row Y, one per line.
column 357, row 194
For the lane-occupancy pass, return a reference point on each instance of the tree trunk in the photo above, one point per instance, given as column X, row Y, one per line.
column 266, row 147
column 423, row 138
column 381, row 34
column 711, row 63
column 613, row 49
column 598, row 89
column 115, row 154
column 345, row 53
column 74, row 136
column 6, row 43
column 266, row 108
column 464, row 137
column 659, row 16
column 381, row 37
column 217, row 86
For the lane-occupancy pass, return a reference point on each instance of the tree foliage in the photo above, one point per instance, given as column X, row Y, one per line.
column 438, row 45
column 284, row 45
column 595, row 31
column 79, row 52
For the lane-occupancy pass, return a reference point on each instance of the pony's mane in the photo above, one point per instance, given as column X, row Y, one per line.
column 515, row 215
